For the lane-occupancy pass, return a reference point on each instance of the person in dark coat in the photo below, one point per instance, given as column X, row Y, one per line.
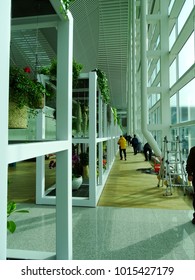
column 128, row 138
column 147, row 152
column 190, row 168
column 135, row 144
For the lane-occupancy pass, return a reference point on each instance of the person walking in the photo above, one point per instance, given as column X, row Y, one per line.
column 128, row 138
column 135, row 144
column 190, row 168
column 147, row 152
column 122, row 147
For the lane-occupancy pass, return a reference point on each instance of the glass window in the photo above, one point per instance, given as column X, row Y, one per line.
column 154, row 117
column 149, row 102
column 153, row 99
column 186, row 55
column 172, row 73
column 171, row 6
column 172, row 38
column 191, row 136
column 185, row 11
column 173, row 104
column 184, row 138
column 187, row 102
column 187, row 138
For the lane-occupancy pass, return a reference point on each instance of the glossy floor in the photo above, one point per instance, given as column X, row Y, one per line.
column 110, row 233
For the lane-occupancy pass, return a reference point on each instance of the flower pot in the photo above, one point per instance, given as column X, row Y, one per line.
column 18, row 117
column 77, row 182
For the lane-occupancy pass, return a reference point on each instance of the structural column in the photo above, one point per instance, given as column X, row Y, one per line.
column 134, row 103
column 164, row 71
column 5, row 27
column 64, row 132
column 144, row 106
column 129, row 73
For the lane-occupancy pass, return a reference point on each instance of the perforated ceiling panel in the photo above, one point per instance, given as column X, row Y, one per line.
column 101, row 41
column 30, row 48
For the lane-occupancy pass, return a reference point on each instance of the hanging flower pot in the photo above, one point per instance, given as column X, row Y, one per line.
column 18, row 117
column 24, row 93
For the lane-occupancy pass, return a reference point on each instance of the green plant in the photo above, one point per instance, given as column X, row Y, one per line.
column 103, row 85
column 114, row 111
column 84, row 158
column 24, row 90
column 11, row 208
column 51, row 71
column 65, row 4
column 76, row 69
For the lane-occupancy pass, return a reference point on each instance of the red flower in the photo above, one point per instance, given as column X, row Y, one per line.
column 27, row 69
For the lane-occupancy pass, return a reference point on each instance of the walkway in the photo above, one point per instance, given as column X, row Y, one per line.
column 127, row 186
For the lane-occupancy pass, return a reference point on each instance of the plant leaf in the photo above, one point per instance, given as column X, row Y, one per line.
column 21, row 211
column 11, row 207
column 11, row 226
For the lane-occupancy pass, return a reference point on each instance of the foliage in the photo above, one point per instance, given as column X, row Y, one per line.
column 114, row 111
column 25, row 91
column 77, row 67
column 105, row 93
column 11, row 208
column 103, row 85
column 65, row 4
column 51, row 71
column 84, row 158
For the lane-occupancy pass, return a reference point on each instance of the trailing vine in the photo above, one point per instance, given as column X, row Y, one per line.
column 51, row 71
column 114, row 111
column 103, row 85
column 105, row 93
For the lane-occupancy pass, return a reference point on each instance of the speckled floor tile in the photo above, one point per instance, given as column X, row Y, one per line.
column 110, row 233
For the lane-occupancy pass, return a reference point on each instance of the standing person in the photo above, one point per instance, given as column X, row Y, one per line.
column 190, row 168
column 135, row 144
column 129, row 139
column 147, row 152
column 122, row 147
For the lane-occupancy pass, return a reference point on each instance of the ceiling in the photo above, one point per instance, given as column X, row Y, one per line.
column 101, row 38
column 101, row 41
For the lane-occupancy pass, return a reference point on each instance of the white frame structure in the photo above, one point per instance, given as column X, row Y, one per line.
column 22, row 151
column 107, row 133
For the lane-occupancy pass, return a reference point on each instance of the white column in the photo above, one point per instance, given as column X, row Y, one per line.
column 105, row 131
column 40, row 161
column 133, row 68
column 129, row 75
column 100, row 116
column 5, row 14
column 92, row 138
column 64, row 132
column 164, row 71
column 144, row 109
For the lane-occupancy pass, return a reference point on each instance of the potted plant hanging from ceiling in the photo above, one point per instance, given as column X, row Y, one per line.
column 24, row 92
column 51, row 72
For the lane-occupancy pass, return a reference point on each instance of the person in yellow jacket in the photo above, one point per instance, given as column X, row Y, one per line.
column 122, row 147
